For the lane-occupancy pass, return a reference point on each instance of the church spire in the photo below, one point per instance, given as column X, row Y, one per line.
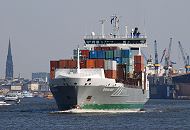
column 9, row 48
column 9, row 63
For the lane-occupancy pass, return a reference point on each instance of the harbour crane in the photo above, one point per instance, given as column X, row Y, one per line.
column 149, row 60
column 167, row 56
column 156, row 64
column 163, row 54
column 185, row 58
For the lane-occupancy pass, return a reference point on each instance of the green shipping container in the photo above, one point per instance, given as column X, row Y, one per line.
column 109, row 54
column 117, row 53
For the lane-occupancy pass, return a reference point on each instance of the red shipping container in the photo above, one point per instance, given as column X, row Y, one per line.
column 54, row 65
column 72, row 64
column 99, row 63
column 110, row 74
column 102, row 48
column 85, row 53
column 98, row 48
column 114, row 48
column 105, row 48
column 52, row 74
column 90, row 63
column 138, row 59
column 82, row 63
column 63, row 63
column 121, row 74
column 139, row 67
column 68, row 64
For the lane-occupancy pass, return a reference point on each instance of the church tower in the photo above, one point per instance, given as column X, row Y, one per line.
column 9, row 63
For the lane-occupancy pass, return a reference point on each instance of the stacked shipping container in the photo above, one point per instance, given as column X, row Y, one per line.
column 138, row 63
column 118, row 64
column 110, row 68
column 53, row 66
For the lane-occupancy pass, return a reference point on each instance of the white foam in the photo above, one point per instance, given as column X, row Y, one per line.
column 97, row 111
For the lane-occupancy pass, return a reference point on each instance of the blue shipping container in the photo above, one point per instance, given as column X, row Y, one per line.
column 126, row 53
column 101, row 54
column 118, row 60
column 129, row 69
column 125, row 61
column 93, row 54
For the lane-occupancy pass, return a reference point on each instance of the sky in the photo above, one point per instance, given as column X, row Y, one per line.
column 44, row 30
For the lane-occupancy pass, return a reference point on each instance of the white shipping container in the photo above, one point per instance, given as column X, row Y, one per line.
column 110, row 65
column 131, row 61
column 16, row 88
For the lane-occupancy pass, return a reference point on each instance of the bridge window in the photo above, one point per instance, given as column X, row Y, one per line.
column 93, row 42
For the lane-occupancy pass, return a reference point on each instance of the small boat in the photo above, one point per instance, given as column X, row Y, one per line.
column 2, row 96
column 27, row 94
column 3, row 103
column 11, row 97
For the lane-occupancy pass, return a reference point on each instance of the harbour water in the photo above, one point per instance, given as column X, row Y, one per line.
column 40, row 113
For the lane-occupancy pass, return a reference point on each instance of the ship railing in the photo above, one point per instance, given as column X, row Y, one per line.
column 114, row 37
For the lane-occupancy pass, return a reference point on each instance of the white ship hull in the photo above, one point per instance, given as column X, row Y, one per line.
column 96, row 93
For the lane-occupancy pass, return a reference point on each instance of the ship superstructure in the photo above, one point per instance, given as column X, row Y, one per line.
column 108, row 74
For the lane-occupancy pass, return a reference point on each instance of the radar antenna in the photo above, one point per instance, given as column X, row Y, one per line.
column 115, row 23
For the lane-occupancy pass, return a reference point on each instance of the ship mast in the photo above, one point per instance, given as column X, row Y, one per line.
column 78, row 60
column 102, row 23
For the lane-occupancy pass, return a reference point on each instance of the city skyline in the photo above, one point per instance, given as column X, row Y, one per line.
column 50, row 30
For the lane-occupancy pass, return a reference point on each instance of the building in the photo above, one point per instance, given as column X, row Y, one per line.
column 9, row 64
column 40, row 76
column 33, row 86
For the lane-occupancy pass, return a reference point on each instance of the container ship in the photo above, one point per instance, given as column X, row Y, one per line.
column 108, row 74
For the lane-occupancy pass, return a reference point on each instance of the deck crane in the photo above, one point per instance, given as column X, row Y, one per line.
column 156, row 64
column 167, row 56
column 185, row 60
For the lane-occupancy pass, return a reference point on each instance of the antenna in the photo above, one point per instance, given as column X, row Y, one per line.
column 102, row 21
column 126, row 32
column 115, row 22
column 144, row 24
